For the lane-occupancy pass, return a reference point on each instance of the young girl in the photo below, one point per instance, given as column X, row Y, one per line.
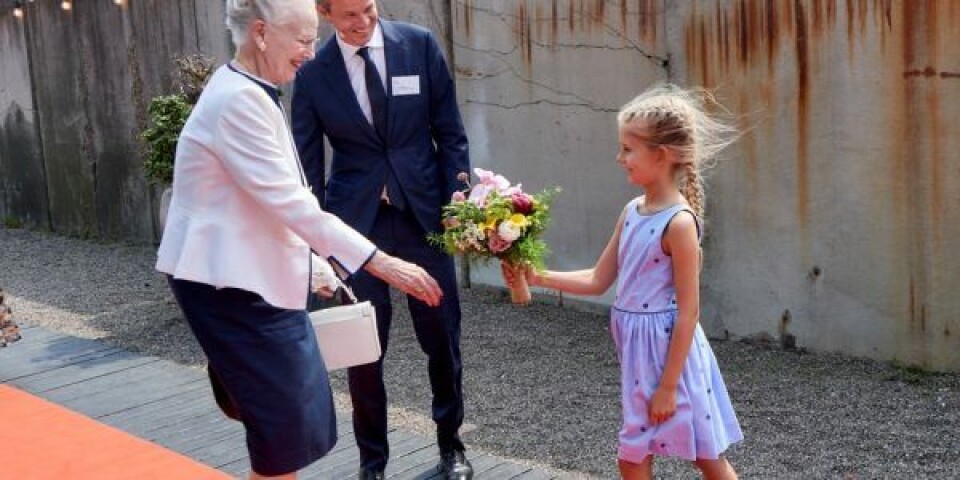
column 674, row 400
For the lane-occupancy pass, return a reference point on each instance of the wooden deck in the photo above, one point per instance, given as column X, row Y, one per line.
column 172, row 405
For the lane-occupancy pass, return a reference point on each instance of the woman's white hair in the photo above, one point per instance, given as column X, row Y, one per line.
column 241, row 13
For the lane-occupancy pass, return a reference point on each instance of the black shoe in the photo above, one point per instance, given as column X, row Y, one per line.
column 455, row 466
column 367, row 474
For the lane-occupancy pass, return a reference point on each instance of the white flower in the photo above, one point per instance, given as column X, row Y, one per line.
column 509, row 231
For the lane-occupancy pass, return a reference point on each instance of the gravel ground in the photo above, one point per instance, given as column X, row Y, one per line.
column 542, row 382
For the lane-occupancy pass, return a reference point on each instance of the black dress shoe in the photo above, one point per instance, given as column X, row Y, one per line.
column 455, row 466
column 367, row 474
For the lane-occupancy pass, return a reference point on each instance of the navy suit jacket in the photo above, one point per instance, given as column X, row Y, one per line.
column 425, row 143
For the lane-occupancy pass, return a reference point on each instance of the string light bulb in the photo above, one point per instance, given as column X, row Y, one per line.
column 66, row 5
column 119, row 2
column 18, row 11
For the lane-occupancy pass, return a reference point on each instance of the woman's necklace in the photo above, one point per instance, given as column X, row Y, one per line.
column 246, row 68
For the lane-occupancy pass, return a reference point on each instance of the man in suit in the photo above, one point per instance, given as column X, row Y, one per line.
column 382, row 95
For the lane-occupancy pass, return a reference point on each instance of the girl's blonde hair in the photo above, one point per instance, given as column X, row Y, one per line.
column 669, row 116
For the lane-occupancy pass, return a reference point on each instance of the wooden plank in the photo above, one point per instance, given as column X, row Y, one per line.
column 399, row 442
column 21, row 360
column 224, row 450
column 240, row 469
column 139, row 416
column 199, row 419
column 416, row 462
column 343, row 466
column 195, row 442
column 485, row 462
column 534, row 475
column 507, row 470
column 345, row 453
column 23, row 183
column 94, row 365
column 122, row 390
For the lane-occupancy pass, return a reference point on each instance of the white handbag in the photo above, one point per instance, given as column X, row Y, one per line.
column 347, row 334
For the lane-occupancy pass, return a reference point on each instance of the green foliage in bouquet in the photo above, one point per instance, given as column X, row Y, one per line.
column 496, row 220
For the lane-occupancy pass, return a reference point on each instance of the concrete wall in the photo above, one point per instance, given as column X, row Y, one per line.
column 836, row 217
column 830, row 224
column 71, row 156
column 539, row 85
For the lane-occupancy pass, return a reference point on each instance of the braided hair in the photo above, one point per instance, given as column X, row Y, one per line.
column 677, row 119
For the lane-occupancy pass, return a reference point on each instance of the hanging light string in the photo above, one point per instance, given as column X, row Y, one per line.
column 19, row 6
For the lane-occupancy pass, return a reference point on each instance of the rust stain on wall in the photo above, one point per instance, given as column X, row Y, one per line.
column 467, row 6
column 737, row 37
column 913, row 47
column 538, row 20
column 623, row 16
column 554, row 22
column 524, row 38
column 599, row 11
column 803, row 114
column 543, row 23
column 647, row 14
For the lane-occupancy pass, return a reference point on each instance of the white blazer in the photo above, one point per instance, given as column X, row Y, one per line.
column 241, row 215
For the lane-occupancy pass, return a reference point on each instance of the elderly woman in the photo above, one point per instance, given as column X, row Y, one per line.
column 238, row 240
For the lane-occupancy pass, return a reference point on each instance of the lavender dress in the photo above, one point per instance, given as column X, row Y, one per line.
column 641, row 323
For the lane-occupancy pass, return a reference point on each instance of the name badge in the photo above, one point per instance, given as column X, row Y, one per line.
column 406, row 85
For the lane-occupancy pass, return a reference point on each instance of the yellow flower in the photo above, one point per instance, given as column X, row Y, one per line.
column 520, row 220
column 491, row 223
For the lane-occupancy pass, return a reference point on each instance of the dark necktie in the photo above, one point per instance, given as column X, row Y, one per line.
column 376, row 93
column 378, row 110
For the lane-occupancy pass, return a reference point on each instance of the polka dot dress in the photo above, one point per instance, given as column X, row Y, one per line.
column 641, row 323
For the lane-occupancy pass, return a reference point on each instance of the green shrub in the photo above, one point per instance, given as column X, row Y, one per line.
column 12, row 222
column 169, row 113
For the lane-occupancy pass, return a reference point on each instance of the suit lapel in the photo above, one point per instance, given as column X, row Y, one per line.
column 339, row 83
column 395, row 51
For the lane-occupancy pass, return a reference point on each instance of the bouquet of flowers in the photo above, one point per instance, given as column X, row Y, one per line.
column 494, row 219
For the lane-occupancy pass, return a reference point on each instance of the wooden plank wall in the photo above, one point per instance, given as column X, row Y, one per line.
column 69, row 150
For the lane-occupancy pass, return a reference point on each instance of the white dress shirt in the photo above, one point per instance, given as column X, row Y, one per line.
column 356, row 68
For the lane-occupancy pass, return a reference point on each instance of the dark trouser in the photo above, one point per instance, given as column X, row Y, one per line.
column 438, row 331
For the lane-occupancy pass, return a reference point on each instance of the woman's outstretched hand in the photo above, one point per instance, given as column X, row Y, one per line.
column 405, row 276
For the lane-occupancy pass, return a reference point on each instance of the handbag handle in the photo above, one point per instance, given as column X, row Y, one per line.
column 350, row 295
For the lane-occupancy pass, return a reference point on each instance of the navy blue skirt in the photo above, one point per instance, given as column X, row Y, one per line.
column 266, row 372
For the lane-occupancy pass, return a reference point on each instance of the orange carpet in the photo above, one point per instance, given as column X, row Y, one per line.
column 40, row 440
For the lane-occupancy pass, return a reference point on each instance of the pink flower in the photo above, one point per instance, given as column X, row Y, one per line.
column 490, row 179
column 522, row 203
column 497, row 244
column 479, row 193
column 458, row 196
column 451, row 222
